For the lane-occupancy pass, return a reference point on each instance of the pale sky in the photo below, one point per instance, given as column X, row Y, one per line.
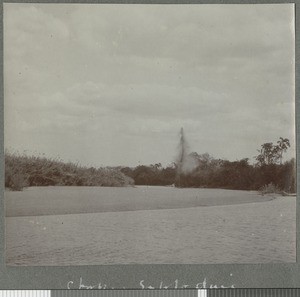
column 109, row 84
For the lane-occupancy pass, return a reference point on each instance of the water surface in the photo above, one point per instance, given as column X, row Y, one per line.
column 256, row 232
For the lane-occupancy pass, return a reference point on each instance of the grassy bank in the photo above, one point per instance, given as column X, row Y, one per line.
column 25, row 171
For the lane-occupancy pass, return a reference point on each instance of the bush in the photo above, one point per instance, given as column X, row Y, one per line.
column 270, row 189
column 22, row 171
column 16, row 181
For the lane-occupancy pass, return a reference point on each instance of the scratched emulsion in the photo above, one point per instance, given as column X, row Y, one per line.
column 256, row 232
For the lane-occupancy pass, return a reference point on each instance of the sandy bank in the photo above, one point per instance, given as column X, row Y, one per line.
column 75, row 200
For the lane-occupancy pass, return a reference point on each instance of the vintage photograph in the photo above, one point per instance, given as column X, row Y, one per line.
column 149, row 134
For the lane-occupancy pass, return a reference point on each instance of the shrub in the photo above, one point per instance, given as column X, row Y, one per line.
column 15, row 181
column 270, row 189
column 22, row 171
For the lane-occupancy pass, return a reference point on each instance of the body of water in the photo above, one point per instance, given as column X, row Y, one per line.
column 147, row 225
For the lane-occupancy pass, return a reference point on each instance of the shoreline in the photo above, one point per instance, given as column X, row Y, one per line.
column 38, row 201
column 141, row 210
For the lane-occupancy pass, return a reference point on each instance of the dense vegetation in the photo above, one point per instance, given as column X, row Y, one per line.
column 268, row 174
column 216, row 173
column 24, row 171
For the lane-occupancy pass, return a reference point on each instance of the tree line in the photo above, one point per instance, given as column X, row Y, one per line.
column 209, row 172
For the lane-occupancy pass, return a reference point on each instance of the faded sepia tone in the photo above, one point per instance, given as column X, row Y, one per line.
column 149, row 134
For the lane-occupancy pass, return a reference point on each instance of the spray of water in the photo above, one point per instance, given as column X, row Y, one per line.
column 185, row 162
column 182, row 152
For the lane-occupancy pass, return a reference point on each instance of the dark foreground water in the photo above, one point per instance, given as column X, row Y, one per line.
column 194, row 226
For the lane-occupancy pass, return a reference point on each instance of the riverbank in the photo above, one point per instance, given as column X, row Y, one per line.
column 57, row 200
